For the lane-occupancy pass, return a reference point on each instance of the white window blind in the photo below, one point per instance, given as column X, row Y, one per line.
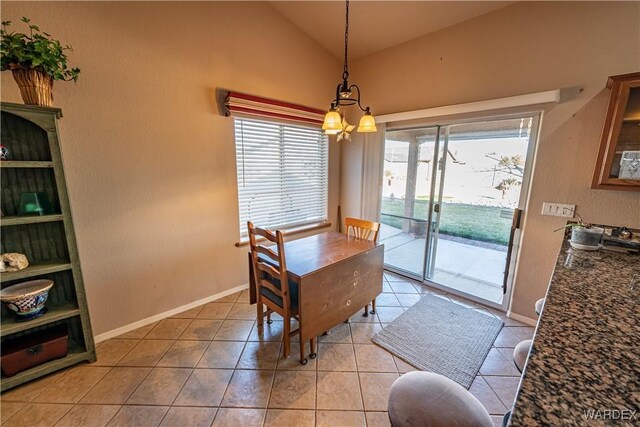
column 282, row 174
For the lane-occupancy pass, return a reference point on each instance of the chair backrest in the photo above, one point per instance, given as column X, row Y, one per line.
column 272, row 263
column 362, row 229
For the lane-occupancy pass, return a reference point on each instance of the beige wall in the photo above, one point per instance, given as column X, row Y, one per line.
column 151, row 166
column 150, row 163
column 523, row 48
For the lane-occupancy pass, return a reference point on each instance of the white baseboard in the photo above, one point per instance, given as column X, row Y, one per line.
column 144, row 322
column 523, row 319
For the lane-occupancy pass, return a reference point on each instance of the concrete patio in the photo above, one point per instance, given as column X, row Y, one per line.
column 461, row 264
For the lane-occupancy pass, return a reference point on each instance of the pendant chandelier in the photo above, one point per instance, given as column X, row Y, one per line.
column 346, row 95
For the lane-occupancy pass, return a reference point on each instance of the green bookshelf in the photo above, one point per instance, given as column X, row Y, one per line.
column 35, row 165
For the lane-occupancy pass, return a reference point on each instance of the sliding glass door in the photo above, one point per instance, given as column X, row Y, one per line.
column 406, row 193
column 451, row 200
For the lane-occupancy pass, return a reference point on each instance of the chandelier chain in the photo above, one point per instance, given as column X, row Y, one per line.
column 345, row 74
column 346, row 95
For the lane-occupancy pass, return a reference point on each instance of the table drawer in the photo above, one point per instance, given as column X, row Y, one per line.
column 332, row 295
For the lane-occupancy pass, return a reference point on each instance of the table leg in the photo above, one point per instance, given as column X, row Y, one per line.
column 313, row 348
column 303, row 360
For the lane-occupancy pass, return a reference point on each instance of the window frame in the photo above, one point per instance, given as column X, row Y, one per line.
column 323, row 175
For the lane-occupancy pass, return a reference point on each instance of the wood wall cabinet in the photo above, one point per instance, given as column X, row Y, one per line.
column 35, row 165
column 618, row 163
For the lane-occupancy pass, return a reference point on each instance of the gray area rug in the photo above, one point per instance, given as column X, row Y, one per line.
column 440, row 336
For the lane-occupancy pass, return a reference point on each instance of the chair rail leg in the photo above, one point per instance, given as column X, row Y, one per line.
column 287, row 338
column 260, row 314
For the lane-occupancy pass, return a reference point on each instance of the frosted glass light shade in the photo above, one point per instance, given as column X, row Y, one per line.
column 332, row 122
column 367, row 123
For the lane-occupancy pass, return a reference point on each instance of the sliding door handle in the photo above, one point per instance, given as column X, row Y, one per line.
column 515, row 224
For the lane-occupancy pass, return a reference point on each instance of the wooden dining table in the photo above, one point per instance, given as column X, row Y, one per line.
column 337, row 275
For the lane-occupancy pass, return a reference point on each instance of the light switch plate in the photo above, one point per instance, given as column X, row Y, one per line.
column 558, row 209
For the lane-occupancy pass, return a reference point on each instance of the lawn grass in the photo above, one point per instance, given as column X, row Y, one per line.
column 482, row 223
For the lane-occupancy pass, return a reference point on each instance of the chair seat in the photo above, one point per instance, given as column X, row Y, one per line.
column 419, row 399
column 539, row 305
column 293, row 294
column 520, row 354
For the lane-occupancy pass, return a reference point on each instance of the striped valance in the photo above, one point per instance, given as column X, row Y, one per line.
column 243, row 105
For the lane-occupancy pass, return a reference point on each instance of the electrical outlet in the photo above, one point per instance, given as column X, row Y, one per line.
column 558, row 209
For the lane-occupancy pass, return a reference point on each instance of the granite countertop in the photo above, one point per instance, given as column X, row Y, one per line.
column 586, row 349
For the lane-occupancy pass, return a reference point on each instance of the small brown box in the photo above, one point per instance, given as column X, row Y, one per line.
column 27, row 351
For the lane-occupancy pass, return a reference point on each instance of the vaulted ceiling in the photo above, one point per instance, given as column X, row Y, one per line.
column 377, row 25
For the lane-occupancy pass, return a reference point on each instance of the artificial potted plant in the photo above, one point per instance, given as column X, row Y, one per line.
column 36, row 60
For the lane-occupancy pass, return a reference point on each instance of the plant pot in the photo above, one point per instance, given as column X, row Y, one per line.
column 35, row 86
column 418, row 228
column 586, row 238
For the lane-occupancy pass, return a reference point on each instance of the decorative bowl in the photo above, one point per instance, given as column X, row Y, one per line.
column 27, row 299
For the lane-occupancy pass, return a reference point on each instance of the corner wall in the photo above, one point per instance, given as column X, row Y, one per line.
column 150, row 163
column 523, row 48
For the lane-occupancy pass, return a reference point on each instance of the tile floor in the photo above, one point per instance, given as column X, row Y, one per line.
column 208, row 367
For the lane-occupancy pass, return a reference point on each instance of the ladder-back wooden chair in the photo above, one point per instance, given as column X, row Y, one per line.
column 273, row 287
column 368, row 230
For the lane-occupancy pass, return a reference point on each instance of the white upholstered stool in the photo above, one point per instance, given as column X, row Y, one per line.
column 425, row 399
column 539, row 305
column 520, row 354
